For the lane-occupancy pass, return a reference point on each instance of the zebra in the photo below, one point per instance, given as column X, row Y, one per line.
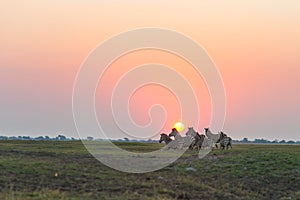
column 171, row 144
column 207, row 143
column 165, row 138
column 183, row 142
column 225, row 141
column 214, row 137
column 198, row 139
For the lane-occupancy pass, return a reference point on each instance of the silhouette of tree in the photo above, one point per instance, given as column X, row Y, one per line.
column 61, row 137
column 245, row 140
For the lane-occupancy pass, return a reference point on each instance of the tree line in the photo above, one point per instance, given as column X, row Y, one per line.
column 265, row 141
column 61, row 137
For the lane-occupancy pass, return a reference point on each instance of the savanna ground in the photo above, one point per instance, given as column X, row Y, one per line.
column 65, row 170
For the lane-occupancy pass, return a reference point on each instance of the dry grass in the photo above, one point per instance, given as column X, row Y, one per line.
column 65, row 170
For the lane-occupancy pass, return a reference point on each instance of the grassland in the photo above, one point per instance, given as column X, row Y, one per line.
column 65, row 170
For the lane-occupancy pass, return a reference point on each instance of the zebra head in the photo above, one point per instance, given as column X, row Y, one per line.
column 173, row 133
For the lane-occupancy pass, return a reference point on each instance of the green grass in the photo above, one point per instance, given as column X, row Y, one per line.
column 28, row 168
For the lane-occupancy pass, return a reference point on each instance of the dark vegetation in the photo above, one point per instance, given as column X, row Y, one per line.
column 64, row 138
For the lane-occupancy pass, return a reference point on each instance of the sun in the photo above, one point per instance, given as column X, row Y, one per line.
column 179, row 126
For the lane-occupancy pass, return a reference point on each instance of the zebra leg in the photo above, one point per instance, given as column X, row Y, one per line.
column 223, row 147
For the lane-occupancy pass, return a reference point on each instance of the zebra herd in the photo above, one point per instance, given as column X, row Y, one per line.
column 194, row 140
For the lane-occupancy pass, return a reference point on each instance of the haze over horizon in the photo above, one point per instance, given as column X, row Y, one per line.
column 255, row 46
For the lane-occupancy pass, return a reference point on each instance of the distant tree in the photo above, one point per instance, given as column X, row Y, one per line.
column 261, row 141
column 126, row 139
column 282, row 142
column 291, row 142
column 12, row 138
column 61, row 137
column 90, row 138
column 3, row 137
column 245, row 140
column 26, row 138
column 39, row 138
column 274, row 141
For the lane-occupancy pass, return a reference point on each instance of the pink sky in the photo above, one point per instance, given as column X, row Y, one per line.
column 255, row 45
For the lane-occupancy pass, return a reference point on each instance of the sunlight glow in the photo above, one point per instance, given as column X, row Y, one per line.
column 179, row 126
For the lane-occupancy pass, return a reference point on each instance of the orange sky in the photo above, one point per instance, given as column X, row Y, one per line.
column 255, row 45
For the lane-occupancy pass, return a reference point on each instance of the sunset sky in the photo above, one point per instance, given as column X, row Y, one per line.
column 254, row 44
